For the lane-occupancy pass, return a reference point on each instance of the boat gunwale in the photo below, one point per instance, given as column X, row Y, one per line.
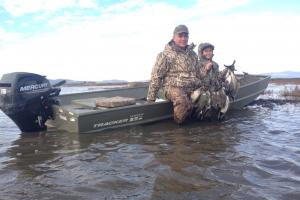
column 120, row 89
column 254, row 82
column 101, row 91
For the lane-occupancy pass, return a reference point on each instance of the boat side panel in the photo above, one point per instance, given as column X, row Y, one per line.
column 248, row 93
column 139, row 114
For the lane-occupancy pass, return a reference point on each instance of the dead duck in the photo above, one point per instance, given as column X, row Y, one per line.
column 202, row 102
column 231, row 83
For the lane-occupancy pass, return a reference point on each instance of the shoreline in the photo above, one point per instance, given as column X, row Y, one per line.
column 284, row 81
column 278, row 81
column 99, row 84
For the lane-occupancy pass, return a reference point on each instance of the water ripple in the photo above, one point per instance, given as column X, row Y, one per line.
column 253, row 154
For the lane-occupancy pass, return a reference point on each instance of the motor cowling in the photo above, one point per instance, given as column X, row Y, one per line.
column 27, row 99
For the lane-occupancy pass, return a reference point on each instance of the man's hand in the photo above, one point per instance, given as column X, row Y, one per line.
column 150, row 100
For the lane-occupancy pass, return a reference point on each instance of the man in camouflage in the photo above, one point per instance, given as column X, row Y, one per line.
column 176, row 72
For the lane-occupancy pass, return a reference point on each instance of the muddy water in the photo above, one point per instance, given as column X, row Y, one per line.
column 253, row 154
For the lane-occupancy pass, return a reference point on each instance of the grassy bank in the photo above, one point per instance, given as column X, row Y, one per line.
column 284, row 81
column 293, row 92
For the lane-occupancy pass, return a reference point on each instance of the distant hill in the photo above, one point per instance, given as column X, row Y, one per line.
column 54, row 81
column 284, row 74
column 88, row 83
column 112, row 81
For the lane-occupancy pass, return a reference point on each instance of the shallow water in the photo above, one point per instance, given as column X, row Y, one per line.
column 253, row 154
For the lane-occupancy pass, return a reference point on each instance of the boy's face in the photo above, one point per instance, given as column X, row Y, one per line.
column 208, row 53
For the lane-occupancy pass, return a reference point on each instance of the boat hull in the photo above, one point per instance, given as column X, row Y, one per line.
column 87, row 118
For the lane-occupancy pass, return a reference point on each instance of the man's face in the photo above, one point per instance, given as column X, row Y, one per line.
column 208, row 53
column 181, row 39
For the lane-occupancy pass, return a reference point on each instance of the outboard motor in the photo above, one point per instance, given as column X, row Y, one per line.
column 27, row 99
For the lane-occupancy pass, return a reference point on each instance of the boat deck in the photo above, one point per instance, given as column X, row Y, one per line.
column 83, row 106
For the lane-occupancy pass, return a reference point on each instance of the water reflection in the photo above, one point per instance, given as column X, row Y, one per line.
column 189, row 156
column 32, row 150
column 248, row 156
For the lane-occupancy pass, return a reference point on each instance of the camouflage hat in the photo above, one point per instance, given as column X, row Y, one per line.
column 181, row 29
column 203, row 46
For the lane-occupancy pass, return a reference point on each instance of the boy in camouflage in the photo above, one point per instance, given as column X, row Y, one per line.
column 175, row 71
column 211, row 92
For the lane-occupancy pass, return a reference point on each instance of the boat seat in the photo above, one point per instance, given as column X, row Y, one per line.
column 105, row 102
column 112, row 102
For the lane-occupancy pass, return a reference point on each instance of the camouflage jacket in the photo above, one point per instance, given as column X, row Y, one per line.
column 174, row 67
column 212, row 79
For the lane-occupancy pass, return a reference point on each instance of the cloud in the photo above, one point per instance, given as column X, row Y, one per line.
column 126, row 6
column 259, row 42
column 123, row 43
column 6, row 37
column 204, row 7
column 21, row 7
column 87, row 4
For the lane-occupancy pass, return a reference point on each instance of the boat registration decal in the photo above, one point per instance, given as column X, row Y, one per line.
column 136, row 117
column 131, row 118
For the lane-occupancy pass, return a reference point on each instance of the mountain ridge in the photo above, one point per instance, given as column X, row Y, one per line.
column 284, row 74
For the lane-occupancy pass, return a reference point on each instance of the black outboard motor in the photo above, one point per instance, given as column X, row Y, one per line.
column 27, row 99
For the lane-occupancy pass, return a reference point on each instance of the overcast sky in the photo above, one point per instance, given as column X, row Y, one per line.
column 105, row 39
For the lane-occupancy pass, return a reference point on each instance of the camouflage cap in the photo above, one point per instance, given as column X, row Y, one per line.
column 181, row 29
column 205, row 45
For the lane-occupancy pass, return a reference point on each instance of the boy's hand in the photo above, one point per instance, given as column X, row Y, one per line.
column 208, row 66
